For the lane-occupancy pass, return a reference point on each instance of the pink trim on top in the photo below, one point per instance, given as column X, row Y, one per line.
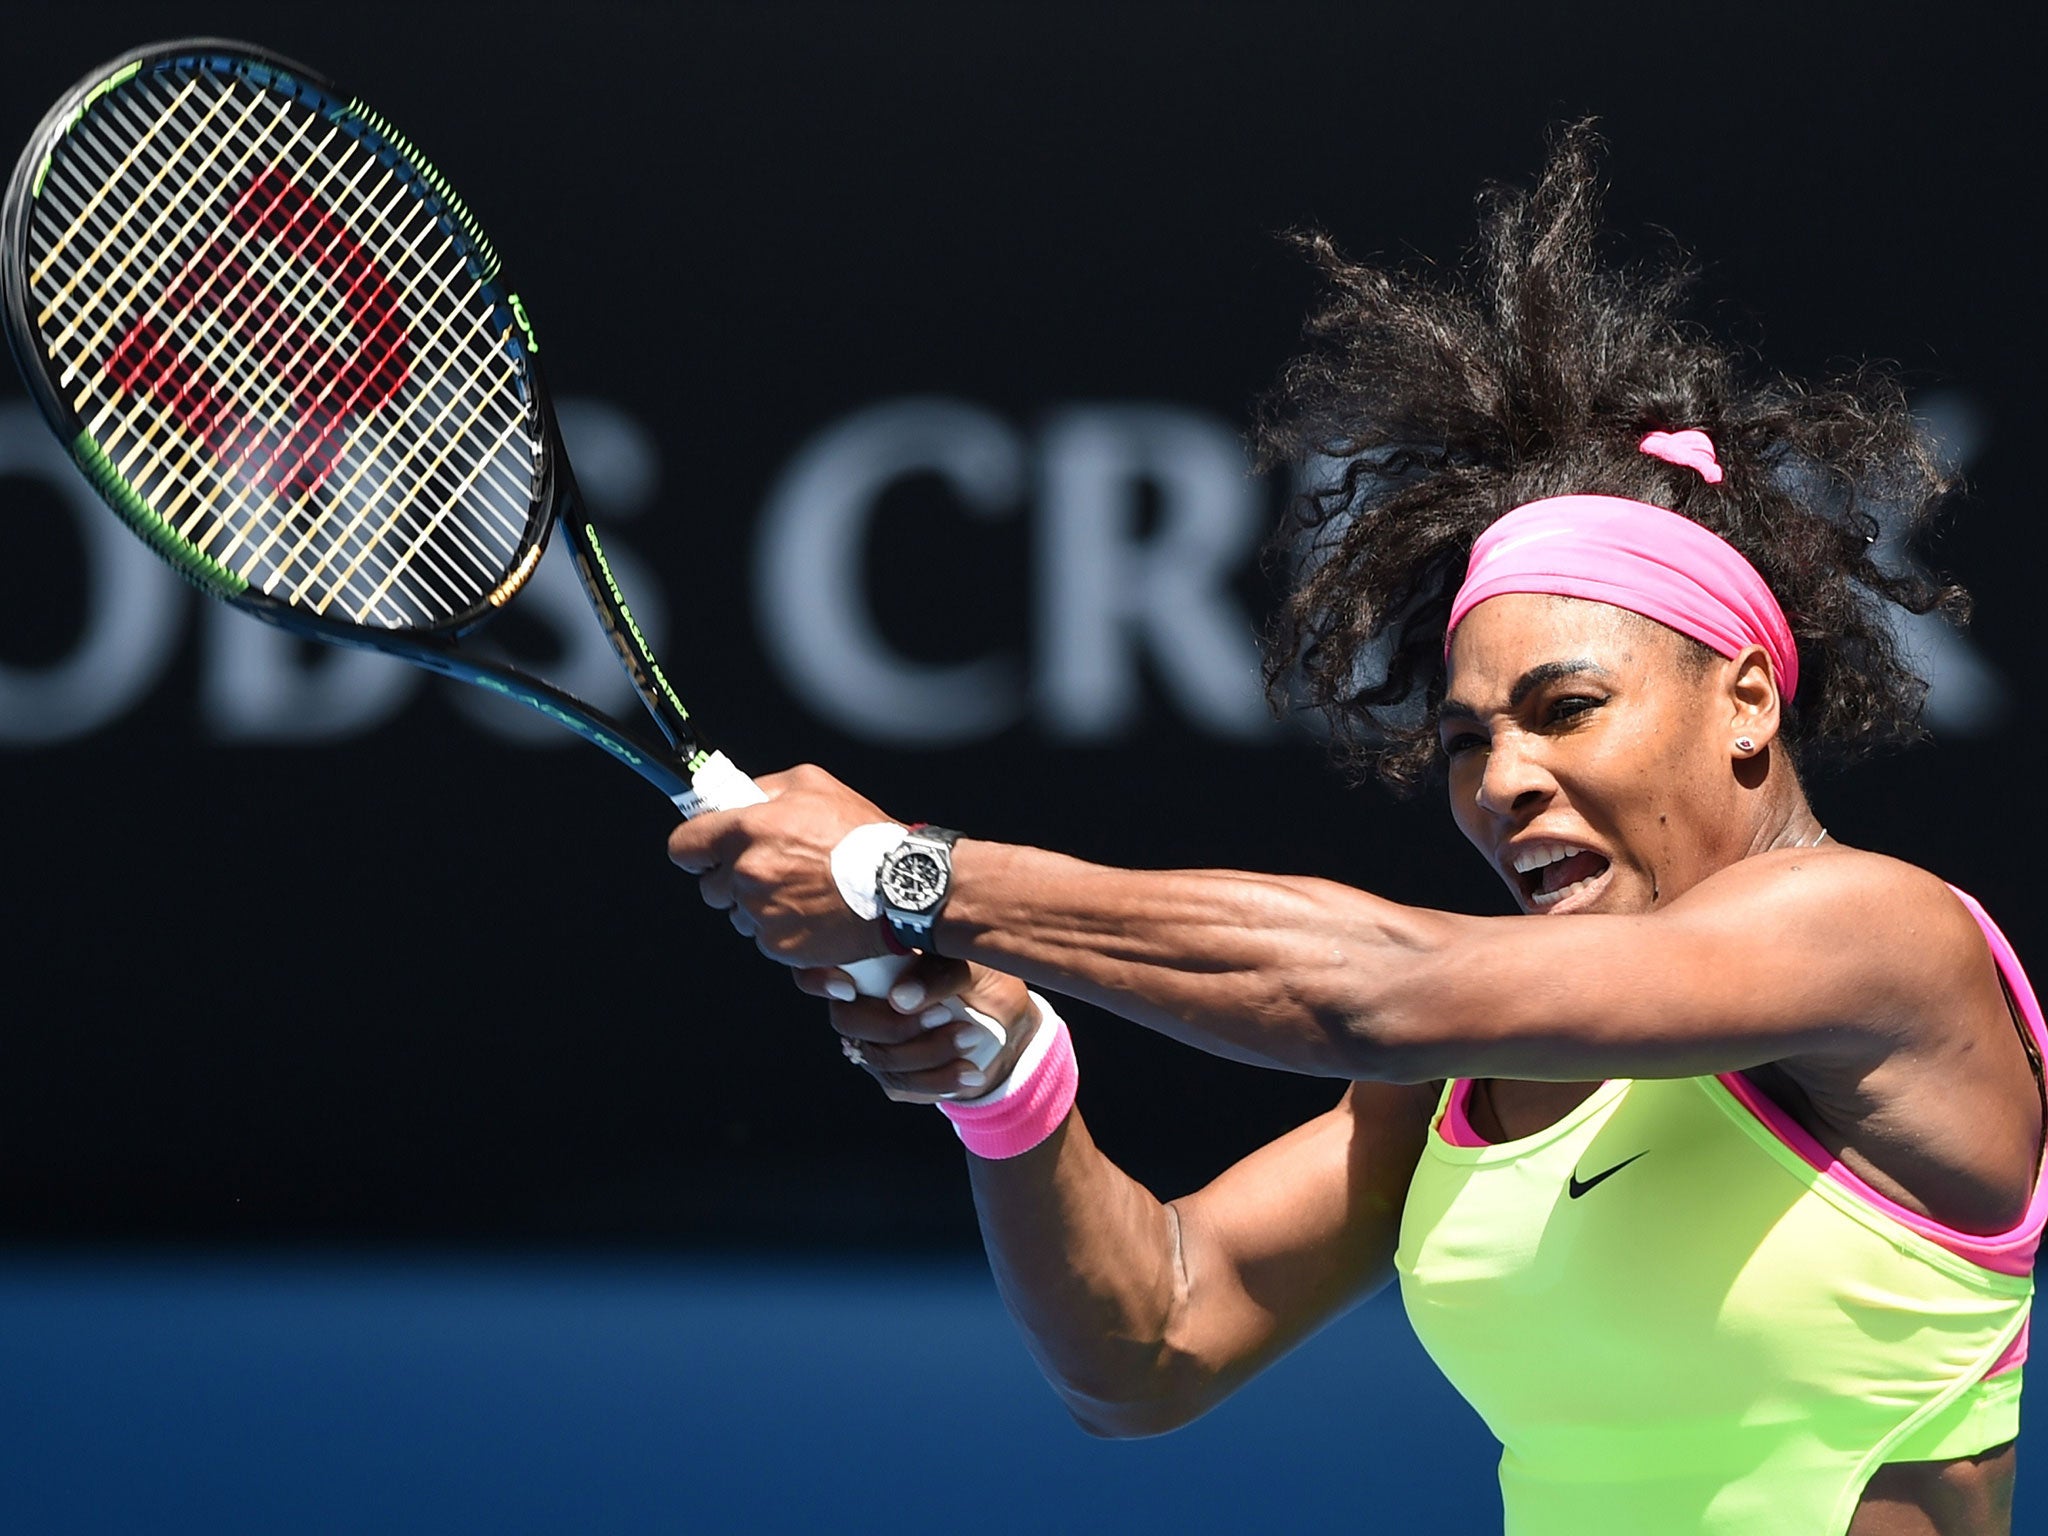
column 1456, row 1125
column 2007, row 1253
column 2015, row 1354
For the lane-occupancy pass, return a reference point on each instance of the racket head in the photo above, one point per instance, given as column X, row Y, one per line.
column 279, row 345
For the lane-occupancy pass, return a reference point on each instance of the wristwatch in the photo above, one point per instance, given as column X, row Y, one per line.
column 913, row 882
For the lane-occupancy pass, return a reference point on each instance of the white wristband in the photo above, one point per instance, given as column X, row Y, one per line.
column 858, row 859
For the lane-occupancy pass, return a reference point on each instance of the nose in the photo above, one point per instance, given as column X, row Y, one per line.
column 1513, row 778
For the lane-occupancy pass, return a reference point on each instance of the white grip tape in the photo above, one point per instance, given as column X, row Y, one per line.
column 719, row 786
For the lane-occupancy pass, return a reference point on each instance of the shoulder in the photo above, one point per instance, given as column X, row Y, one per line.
column 1830, row 954
column 1832, row 888
column 1893, row 941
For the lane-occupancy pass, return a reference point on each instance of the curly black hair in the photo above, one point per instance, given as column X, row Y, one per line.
column 1428, row 408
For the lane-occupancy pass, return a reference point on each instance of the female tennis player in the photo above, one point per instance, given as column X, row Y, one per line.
column 1710, row 1177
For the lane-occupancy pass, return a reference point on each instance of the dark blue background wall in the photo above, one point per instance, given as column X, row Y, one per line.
column 952, row 280
column 967, row 285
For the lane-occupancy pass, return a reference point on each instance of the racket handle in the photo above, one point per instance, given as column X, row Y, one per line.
column 716, row 785
column 874, row 978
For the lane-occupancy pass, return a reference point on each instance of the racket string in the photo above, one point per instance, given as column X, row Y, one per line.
column 210, row 366
column 368, row 163
column 179, row 463
column 188, row 175
column 450, row 467
column 227, row 513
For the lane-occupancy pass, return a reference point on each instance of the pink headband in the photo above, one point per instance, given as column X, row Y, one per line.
column 1608, row 549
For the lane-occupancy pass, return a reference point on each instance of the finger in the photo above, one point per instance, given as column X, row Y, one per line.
column 706, row 841
column 905, row 1096
column 948, row 1082
column 924, row 1053
column 870, row 1020
column 976, row 1036
column 927, row 980
column 826, row 981
column 886, row 1081
column 767, row 946
column 979, row 1044
column 983, row 1035
column 742, row 921
column 715, row 887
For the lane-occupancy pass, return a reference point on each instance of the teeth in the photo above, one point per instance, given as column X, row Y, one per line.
column 1536, row 855
column 1544, row 899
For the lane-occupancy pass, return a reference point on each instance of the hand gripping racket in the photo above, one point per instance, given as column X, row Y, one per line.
column 281, row 348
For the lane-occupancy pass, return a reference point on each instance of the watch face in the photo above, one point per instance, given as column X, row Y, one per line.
column 913, row 882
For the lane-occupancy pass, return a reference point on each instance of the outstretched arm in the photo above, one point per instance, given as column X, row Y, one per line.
column 1800, row 953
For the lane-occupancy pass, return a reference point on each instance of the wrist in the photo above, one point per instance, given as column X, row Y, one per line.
column 1031, row 1102
column 856, row 862
column 1026, row 1048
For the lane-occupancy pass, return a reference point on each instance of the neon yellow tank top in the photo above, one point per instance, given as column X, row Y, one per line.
column 1674, row 1323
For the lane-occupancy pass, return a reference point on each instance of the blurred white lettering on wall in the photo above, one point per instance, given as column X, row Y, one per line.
column 1107, row 590
column 1142, row 520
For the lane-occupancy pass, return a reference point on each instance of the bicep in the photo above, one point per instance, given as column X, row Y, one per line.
column 1288, row 1238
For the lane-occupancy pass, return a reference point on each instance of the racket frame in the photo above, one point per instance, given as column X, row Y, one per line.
column 677, row 763
column 667, row 760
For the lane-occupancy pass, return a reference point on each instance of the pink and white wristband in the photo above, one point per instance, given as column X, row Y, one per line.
column 1031, row 1103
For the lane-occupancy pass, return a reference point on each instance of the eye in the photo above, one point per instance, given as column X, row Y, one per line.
column 1461, row 742
column 1571, row 705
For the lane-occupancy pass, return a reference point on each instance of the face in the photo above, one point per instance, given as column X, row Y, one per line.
column 1591, row 756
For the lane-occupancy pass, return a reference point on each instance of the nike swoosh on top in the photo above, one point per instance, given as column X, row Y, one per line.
column 1580, row 1186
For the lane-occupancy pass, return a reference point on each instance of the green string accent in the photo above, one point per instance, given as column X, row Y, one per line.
column 127, row 71
column 433, row 178
column 147, row 521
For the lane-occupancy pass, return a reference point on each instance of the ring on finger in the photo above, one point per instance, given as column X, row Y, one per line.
column 852, row 1052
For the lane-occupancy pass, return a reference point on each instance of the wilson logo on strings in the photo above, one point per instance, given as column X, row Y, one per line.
column 285, row 284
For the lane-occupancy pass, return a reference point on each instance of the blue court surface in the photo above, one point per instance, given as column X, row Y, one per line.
column 398, row 1393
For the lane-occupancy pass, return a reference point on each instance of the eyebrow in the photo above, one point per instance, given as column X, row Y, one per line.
column 1526, row 684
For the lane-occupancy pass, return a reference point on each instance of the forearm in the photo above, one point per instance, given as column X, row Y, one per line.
column 1089, row 1264
column 1145, row 1315
column 1300, row 974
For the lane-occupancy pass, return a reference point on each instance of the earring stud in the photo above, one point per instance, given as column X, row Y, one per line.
column 1744, row 744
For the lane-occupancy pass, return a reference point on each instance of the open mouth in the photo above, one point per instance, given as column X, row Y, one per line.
column 1553, row 873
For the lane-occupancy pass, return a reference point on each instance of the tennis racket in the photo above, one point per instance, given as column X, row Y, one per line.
column 280, row 346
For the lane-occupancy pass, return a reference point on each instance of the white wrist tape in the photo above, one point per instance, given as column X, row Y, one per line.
column 1030, row 1059
column 858, row 859
column 1032, row 1105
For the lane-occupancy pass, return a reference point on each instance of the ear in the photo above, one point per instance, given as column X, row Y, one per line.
column 1752, row 695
